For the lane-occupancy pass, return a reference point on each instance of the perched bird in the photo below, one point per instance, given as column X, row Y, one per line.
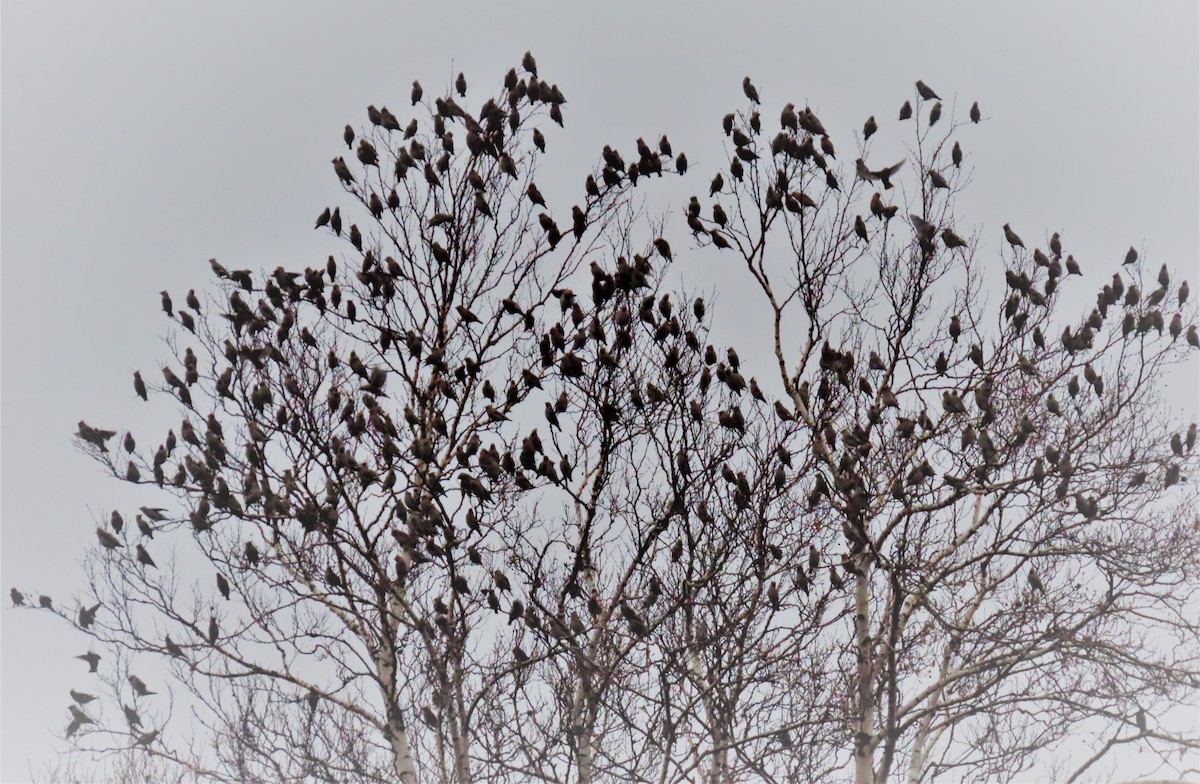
column 81, row 697
column 222, row 585
column 1035, row 582
column 935, row 114
column 906, row 111
column 342, row 170
column 460, row 84
column 952, row 240
column 417, row 92
column 173, row 649
column 926, row 92
column 975, row 115
column 146, row 738
column 869, row 128
column 18, row 598
column 144, row 558
column 213, row 630
column 1012, row 237
column 139, row 386
column 107, row 540
column 750, row 90
column 529, row 64
column 1130, row 256
column 139, row 688
column 132, row 716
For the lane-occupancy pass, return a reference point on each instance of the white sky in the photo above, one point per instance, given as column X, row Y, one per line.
column 139, row 139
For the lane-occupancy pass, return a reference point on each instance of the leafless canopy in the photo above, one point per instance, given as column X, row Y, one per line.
column 476, row 500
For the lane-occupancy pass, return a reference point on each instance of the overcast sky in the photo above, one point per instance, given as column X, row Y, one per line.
column 139, row 139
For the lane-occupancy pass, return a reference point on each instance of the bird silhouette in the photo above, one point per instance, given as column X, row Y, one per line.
column 139, row 688
column 926, row 92
column 750, row 91
column 92, row 659
column 1012, row 237
column 87, row 615
column 81, row 697
column 144, row 558
column 107, row 540
column 882, row 175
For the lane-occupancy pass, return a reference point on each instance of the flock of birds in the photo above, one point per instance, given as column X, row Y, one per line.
column 484, row 137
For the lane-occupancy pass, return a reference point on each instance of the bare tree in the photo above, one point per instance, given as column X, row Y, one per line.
column 438, row 516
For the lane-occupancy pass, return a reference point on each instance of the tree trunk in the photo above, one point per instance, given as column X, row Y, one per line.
column 385, row 667
column 581, row 724
column 864, row 719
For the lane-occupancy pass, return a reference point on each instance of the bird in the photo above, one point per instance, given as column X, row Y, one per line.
column 1130, row 256
column 87, row 615
column 750, row 90
column 906, row 111
column 146, row 738
column 417, row 92
column 975, row 115
column 154, row 513
column 883, row 175
column 1012, row 237
column 529, row 64
column 94, row 435
column 926, row 92
column 460, row 84
column 18, row 598
column 132, row 716
column 93, row 660
column 869, row 128
column 223, row 585
column 78, row 717
column 1035, row 582
column 139, row 688
column 139, row 386
column 107, row 540
column 952, row 240
column 144, row 558
column 81, row 697
column 173, row 649
column 935, row 113
column 342, row 170
column 213, row 630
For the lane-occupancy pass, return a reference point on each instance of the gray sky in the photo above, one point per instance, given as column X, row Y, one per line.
column 140, row 139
